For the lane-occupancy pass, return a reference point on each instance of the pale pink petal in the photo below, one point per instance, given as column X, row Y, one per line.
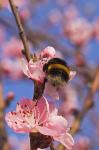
column 48, row 52
column 34, row 116
column 25, row 104
column 12, row 68
column 33, row 70
column 66, row 139
column 18, row 122
column 78, row 30
column 43, row 110
column 23, row 120
column 58, row 123
column 25, row 69
column 36, row 71
column 46, row 131
column 29, row 114
column 12, row 48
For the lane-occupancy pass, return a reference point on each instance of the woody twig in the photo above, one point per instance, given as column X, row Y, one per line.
column 3, row 136
column 25, row 44
column 21, row 30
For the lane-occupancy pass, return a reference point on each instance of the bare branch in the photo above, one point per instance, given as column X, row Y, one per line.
column 21, row 30
column 3, row 136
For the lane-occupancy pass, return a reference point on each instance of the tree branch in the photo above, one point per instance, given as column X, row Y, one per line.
column 3, row 136
column 21, row 30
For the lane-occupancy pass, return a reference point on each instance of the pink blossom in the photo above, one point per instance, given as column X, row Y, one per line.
column 34, row 69
column 12, row 68
column 48, row 52
column 78, row 30
column 41, row 117
column 12, row 48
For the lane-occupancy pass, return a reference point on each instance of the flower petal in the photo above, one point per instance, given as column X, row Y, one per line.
column 66, row 139
column 18, row 122
column 48, row 52
column 25, row 104
column 23, row 120
column 25, row 69
column 46, row 131
column 58, row 123
column 33, row 70
column 43, row 108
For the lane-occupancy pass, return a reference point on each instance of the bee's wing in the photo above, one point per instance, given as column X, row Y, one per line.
column 51, row 91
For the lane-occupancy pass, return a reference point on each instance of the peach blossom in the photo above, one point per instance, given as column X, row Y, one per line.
column 49, row 52
column 12, row 68
column 78, row 31
column 34, row 69
column 31, row 116
column 12, row 48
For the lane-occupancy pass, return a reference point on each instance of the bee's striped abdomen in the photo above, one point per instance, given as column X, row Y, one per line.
column 57, row 67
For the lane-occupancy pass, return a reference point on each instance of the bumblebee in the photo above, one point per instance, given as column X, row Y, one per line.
column 57, row 71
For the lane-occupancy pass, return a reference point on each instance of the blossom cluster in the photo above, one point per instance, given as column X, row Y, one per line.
column 78, row 29
column 33, row 116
